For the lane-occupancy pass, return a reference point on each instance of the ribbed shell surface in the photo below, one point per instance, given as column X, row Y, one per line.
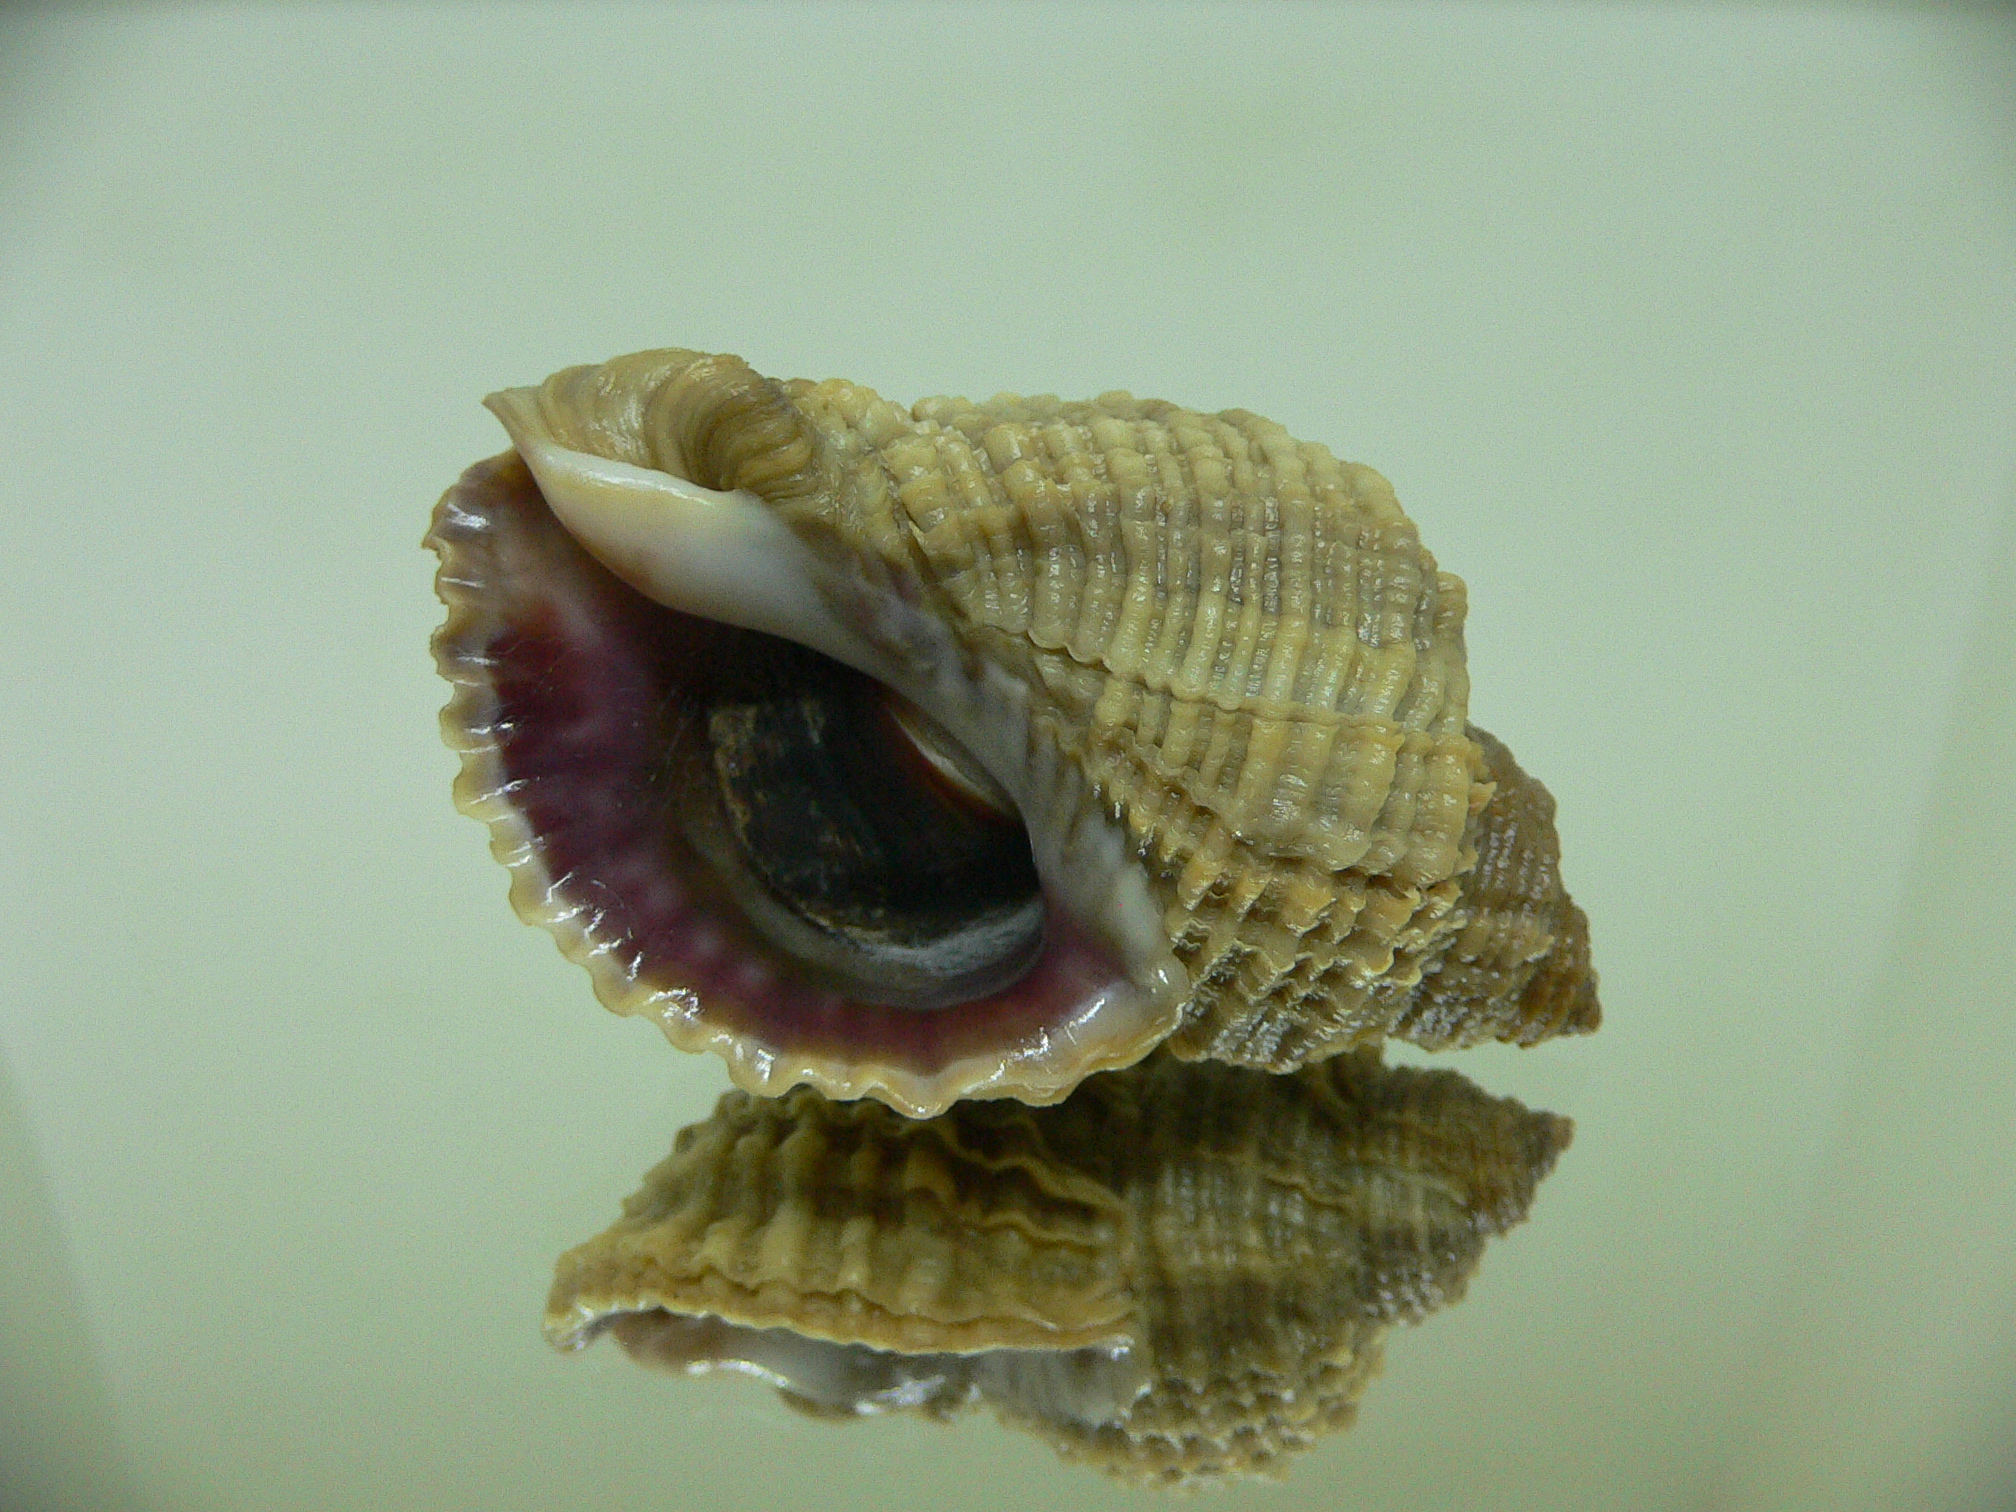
column 847, row 1222
column 1242, row 644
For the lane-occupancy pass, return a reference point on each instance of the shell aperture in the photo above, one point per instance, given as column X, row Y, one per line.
column 637, row 768
column 1208, row 668
column 1181, row 1273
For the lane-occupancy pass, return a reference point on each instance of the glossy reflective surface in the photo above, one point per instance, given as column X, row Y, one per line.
column 1684, row 336
column 1182, row 1274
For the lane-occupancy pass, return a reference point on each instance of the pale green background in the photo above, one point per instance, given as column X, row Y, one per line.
column 1689, row 338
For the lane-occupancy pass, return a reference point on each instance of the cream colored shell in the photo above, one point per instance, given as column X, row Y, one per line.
column 1182, row 1272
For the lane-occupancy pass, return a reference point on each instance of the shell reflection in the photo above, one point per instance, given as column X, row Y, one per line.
column 1184, row 1272
column 967, row 750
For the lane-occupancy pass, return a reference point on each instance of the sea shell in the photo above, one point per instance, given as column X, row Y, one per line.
column 1183, row 1272
column 1209, row 667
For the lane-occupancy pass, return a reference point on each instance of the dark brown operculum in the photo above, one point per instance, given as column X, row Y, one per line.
column 877, row 877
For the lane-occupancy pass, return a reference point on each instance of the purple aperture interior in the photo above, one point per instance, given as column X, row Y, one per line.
column 589, row 682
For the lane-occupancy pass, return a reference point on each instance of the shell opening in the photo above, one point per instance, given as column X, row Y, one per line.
column 837, row 817
column 773, row 854
column 846, row 825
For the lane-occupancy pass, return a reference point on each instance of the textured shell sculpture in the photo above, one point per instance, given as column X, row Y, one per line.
column 969, row 749
column 1184, row 1272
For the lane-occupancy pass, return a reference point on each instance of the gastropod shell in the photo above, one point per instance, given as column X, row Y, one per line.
column 967, row 750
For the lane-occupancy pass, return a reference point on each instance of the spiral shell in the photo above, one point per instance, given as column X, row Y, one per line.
column 1183, row 1272
column 1213, row 668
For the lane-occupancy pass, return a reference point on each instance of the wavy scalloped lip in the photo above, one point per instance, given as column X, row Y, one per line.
column 1040, row 1064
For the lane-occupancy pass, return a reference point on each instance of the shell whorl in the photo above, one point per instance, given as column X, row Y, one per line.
column 712, row 420
column 848, row 1223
